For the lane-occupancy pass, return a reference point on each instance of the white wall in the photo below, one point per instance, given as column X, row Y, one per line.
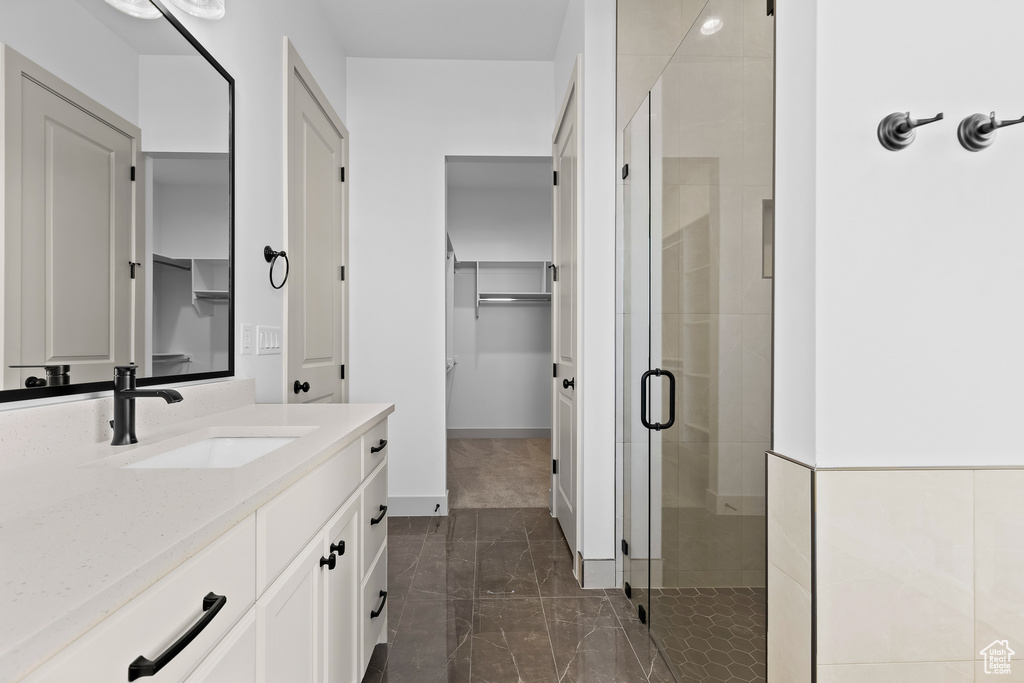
column 915, row 334
column 183, row 105
column 248, row 42
column 75, row 46
column 596, row 372
column 503, row 376
column 405, row 117
column 509, row 224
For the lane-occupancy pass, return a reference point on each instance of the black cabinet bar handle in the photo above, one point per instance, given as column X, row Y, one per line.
column 380, row 608
column 382, row 446
column 142, row 667
column 331, row 561
column 338, row 547
column 383, row 511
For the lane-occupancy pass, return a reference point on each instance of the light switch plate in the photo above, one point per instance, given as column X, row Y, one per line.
column 268, row 340
column 246, row 339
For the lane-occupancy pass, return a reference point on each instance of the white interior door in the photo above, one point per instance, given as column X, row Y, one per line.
column 72, row 217
column 564, row 303
column 316, row 303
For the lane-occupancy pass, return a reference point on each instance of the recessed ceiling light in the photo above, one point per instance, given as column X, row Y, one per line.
column 142, row 9
column 712, row 25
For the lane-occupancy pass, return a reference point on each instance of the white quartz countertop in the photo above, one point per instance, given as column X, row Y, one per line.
column 78, row 541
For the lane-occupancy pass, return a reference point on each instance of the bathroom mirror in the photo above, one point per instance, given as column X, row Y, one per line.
column 117, row 200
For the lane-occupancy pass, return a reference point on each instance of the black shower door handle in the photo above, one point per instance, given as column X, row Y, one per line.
column 657, row 426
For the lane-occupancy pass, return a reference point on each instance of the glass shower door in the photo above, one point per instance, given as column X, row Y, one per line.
column 696, row 346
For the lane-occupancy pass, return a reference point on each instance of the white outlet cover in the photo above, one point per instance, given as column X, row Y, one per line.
column 246, row 338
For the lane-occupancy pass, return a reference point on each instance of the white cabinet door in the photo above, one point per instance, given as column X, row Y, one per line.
column 234, row 658
column 341, row 597
column 289, row 622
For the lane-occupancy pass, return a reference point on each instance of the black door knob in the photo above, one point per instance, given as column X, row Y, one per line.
column 566, row 383
column 35, row 382
column 330, row 562
column 338, row 547
column 304, row 386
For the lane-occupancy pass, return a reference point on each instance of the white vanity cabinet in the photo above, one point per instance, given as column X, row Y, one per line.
column 299, row 592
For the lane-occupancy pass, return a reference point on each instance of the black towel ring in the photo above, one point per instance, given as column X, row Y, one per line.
column 271, row 256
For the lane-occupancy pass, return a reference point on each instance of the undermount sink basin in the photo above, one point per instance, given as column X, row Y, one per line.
column 207, row 448
column 218, row 452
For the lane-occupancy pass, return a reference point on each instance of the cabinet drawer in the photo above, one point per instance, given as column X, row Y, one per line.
column 289, row 521
column 149, row 624
column 375, row 507
column 234, row 659
column 375, row 447
column 374, row 628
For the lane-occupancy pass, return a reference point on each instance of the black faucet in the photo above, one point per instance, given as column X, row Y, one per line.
column 125, row 394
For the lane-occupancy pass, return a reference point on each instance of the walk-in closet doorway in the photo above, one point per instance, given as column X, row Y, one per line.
column 498, row 287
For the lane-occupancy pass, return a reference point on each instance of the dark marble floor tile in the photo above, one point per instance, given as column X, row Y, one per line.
column 457, row 527
column 512, row 614
column 407, row 526
column 513, row 657
column 505, row 570
column 594, row 654
column 444, row 571
column 376, row 669
column 402, row 561
column 396, row 607
column 553, row 563
column 541, row 526
column 501, row 524
column 433, row 636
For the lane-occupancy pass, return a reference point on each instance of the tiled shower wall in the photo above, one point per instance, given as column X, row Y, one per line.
column 917, row 572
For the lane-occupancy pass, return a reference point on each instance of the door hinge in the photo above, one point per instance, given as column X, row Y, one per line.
column 625, row 171
column 554, row 370
column 133, row 174
column 133, row 265
column 554, row 272
column 642, row 613
column 556, row 177
column 342, row 273
column 625, row 547
column 554, row 466
column 771, row 8
column 627, row 589
column 343, row 372
column 342, row 174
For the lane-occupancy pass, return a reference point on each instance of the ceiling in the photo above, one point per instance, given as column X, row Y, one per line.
column 499, row 173
column 515, row 30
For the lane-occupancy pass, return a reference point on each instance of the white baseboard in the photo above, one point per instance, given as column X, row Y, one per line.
column 599, row 573
column 499, row 433
column 417, row 506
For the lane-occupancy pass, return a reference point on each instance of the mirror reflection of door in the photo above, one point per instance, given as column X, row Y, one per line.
column 69, row 230
column 315, row 345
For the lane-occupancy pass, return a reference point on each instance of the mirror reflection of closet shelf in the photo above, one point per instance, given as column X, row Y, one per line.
column 209, row 279
column 510, row 282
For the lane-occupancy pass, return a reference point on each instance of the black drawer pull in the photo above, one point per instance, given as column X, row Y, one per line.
column 142, row 667
column 383, row 511
column 382, row 446
column 331, row 561
column 380, row 608
column 338, row 547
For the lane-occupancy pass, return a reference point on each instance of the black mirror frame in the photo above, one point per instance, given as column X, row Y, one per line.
column 9, row 395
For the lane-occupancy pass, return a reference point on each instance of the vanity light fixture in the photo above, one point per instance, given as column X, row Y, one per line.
column 712, row 25
column 141, row 9
column 204, row 9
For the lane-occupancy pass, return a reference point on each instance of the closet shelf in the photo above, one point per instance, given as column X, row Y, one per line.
column 162, row 259
column 212, row 294
column 171, row 358
column 514, row 297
